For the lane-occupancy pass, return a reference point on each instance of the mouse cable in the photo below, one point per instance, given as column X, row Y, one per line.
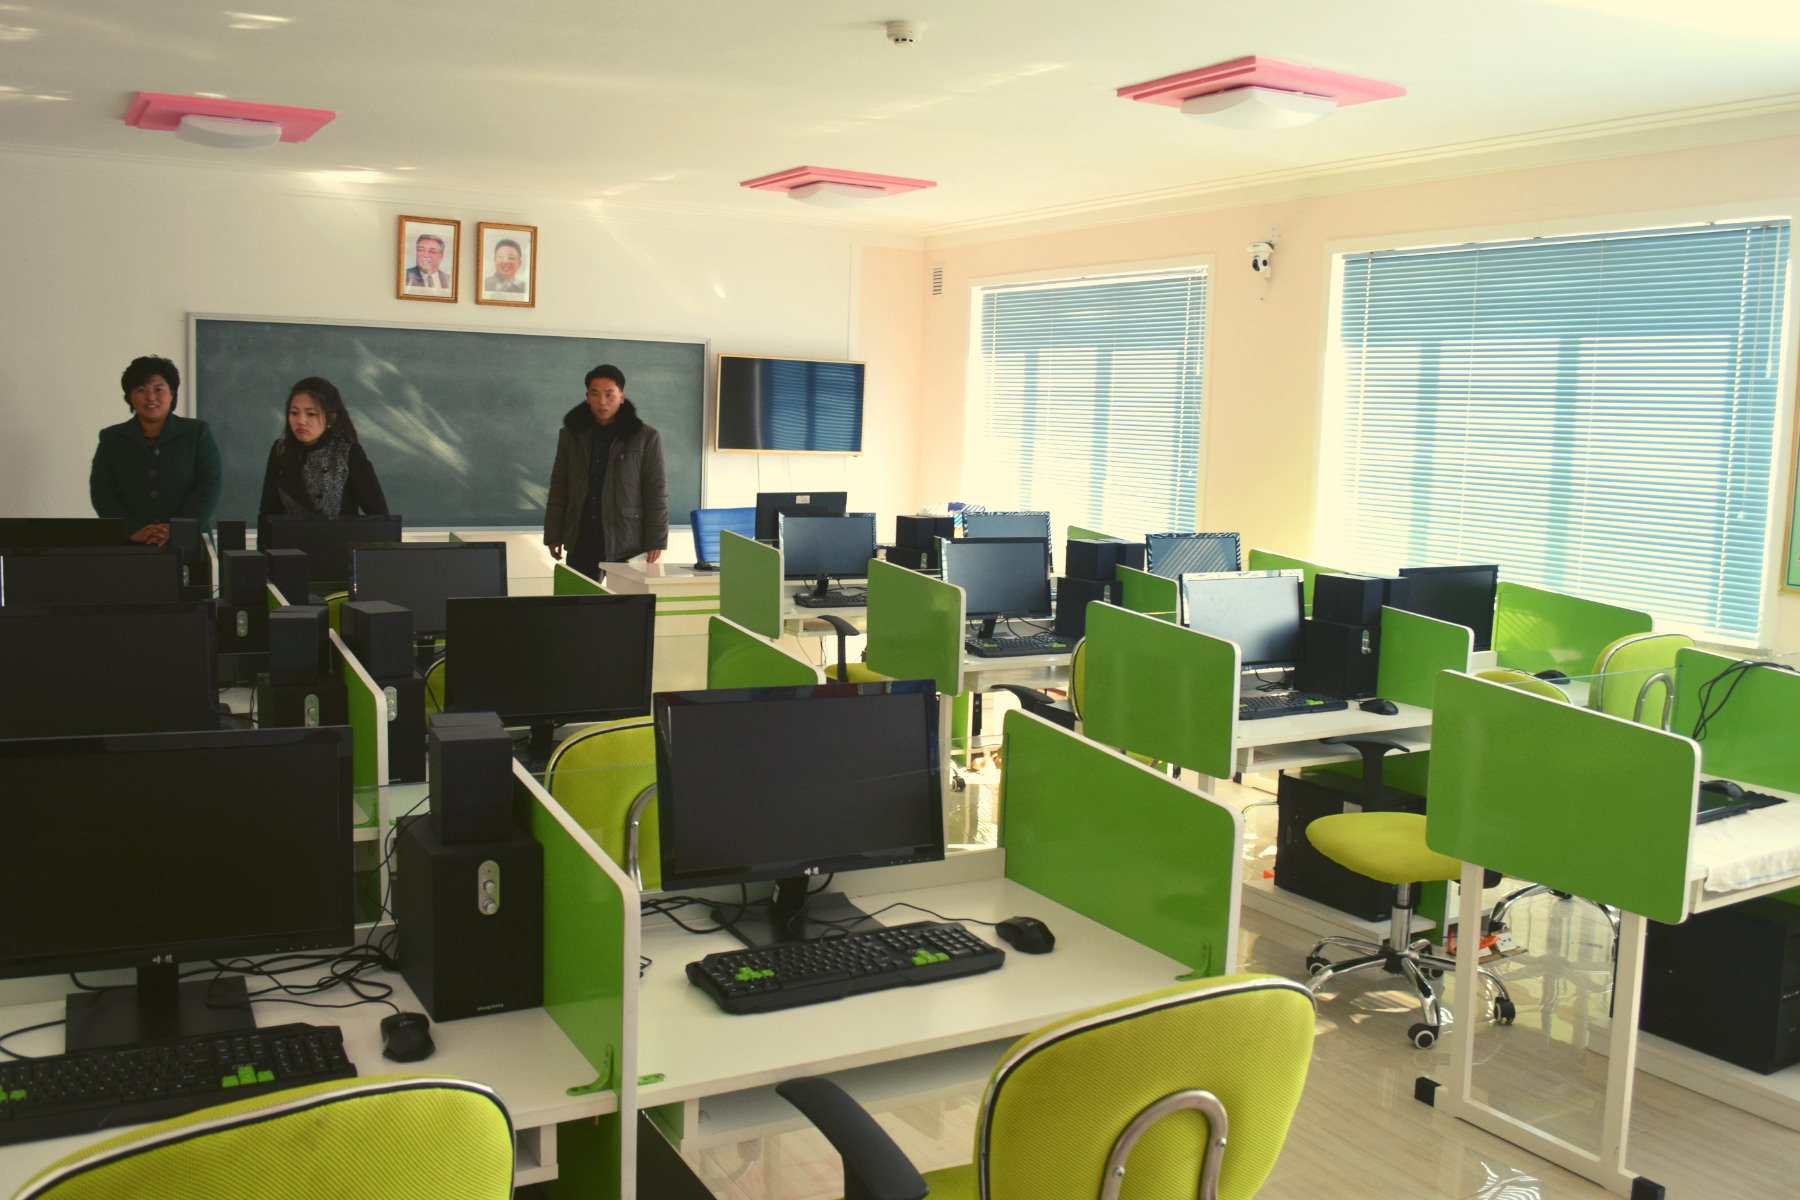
column 844, row 923
column 12, row 1033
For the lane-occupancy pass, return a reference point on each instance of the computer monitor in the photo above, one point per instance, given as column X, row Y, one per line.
column 421, row 576
column 1459, row 595
column 153, row 849
column 326, row 542
column 1006, row 524
column 126, row 669
column 821, row 549
column 90, row 575
column 771, row 505
column 62, row 531
column 789, row 783
column 1259, row 610
column 1173, row 555
column 544, row 661
column 1000, row 577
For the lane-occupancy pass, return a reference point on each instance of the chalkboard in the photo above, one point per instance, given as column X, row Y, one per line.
column 460, row 424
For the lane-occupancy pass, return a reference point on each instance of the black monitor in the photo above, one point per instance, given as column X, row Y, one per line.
column 1173, row 555
column 1006, row 524
column 1259, row 610
column 544, row 661
column 821, row 549
column 153, row 849
column 1000, row 577
column 125, row 669
column 771, row 505
column 62, row 531
column 1459, row 595
column 789, row 783
column 421, row 576
column 326, row 542
column 90, row 575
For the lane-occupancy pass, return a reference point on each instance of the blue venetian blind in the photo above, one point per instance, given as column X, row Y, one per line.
column 1087, row 402
column 1597, row 414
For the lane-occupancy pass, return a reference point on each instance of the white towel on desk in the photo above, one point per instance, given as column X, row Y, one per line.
column 1748, row 850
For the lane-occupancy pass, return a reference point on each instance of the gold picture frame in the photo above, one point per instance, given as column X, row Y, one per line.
column 506, row 264
column 420, row 275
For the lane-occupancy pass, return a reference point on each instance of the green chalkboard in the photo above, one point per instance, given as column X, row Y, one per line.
column 460, row 424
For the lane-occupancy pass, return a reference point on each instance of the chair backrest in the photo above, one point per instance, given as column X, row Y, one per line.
column 1634, row 677
column 434, row 686
column 708, row 522
column 1077, row 676
column 1524, row 681
column 394, row 1137
column 1063, row 1097
column 334, row 603
column 596, row 775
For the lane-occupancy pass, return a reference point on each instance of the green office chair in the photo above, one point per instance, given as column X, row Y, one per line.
column 1079, row 1108
column 1636, row 673
column 605, row 777
column 390, row 1137
column 1042, row 704
column 434, row 686
column 333, row 602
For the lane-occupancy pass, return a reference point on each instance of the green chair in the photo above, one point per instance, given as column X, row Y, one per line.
column 1635, row 672
column 434, row 687
column 1042, row 704
column 334, row 601
column 391, row 1137
column 1078, row 1108
column 605, row 777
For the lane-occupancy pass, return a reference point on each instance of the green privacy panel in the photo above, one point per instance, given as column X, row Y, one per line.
column 368, row 719
column 737, row 658
column 1158, row 689
column 1268, row 560
column 1118, row 843
column 750, row 584
column 1538, row 630
column 276, row 599
column 1077, row 533
column 1413, row 650
column 915, row 626
column 1143, row 592
column 1750, row 736
column 565, row 581
column 1560, row 795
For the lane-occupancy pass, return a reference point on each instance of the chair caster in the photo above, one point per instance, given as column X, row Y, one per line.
column 1315, row 965
column 1423, row 1036
column 1505, row 1011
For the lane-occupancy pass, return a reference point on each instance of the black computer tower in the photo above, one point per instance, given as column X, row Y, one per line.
column 1085, row 558
column 471, row 921
column 1302, row 798
column 1347, row 599
column 1727, row 983
column 915, row 541
column 405, row 696
column 293, row 705
column 1339, row 660
column 1072, row 598
column 469, row 767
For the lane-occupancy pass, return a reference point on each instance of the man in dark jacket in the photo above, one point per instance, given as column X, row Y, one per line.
column 609, row 495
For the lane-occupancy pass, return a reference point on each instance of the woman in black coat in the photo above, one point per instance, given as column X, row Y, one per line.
column 317, row 468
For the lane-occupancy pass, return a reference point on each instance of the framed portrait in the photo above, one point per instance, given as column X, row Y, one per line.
column 427, row 259
column 507, row 266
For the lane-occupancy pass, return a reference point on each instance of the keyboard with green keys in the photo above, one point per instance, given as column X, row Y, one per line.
column 796, row 973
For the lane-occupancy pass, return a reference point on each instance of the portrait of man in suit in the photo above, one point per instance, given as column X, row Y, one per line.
column 505, row 278
column 427, row 254
column 427, row 260
column 508, row 254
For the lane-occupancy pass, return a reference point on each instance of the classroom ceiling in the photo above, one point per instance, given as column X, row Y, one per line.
column 1008, row 104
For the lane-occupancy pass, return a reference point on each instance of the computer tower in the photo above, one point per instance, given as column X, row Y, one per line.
column 1339, row 660
column 1727, row 983
column 910, row 557
column 1302, row 798
column 229, row 535
column 292, row 705
column 406, row 726
column 299, row 645
column 470, row 773
column 1072, row 598
column 915, row 540
column 1347, row 599
column 1085, row 558
column 380, row 634
column 243, row 578
column 287, row 571
column 471, row 921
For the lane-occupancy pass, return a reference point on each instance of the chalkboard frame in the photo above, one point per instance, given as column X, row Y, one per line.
column 700, row 401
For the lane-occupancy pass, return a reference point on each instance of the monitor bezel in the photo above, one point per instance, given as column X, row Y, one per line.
column 1483, row 636
column 421, row 627
column 561, row 716
column 950, row 547
column 787, row 569
column 1246, row 664
column 202, row 613
column 376, row 526
column 768, row 507
column 170, row 574
column 1213, row 535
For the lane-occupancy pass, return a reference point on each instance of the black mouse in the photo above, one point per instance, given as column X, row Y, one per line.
column 1553, row 676
column 406, row 1037
column 1027, row 934
column 1723, row 787
column 1386, row 708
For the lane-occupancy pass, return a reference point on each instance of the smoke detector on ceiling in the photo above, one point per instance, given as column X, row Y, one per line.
column 902, row 33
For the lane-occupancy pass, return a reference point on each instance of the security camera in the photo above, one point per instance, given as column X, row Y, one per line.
column 902, row 33
column 1262, row 258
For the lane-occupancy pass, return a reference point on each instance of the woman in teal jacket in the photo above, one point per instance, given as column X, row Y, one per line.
column 156, row 465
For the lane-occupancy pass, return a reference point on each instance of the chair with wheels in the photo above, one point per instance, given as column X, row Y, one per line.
column 384, row 1138
column 1635, row 675
column 708, row 523
column 1042, row 704
column 605, row 777
column 1080, row 1107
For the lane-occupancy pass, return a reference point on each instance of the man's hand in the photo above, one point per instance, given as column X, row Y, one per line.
column 652, row 555
column 556, row 551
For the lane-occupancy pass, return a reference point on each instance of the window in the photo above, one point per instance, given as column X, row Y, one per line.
column 1596, row 414
column 1087, row 400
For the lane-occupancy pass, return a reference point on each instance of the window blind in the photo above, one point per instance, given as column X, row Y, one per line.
column 1596, row 414
column 1087, row 400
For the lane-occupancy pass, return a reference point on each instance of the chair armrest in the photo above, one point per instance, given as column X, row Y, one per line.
column 845, row 631
column 874, row 1168
column 1040, row 704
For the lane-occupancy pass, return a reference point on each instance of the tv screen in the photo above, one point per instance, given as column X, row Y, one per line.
column 789, row 405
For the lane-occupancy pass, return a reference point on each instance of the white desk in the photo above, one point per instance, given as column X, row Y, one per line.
column 685, row 598
column 1290, row 743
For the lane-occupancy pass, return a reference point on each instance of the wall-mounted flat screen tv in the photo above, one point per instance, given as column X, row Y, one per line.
column 789, row 405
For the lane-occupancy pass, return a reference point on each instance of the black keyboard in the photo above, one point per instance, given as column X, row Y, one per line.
column 796, row 973
column 832, row 599
column 1259, row 705
column 124, row 1085
column 1748, row 802
column 1017, row 647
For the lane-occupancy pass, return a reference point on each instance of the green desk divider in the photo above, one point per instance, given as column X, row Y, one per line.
column 737, row 658
column 1414, row 650
column 1120, row 843
column 590, row 982
column 368, row 718
column 1750, row 737
column 1564, row 796
column 275, row 598
column 1077, row 533
column 1537, row 630
column 750, row 584
column 1157, row 689
column 915, row 626
column 1143, row 592
column 567, row 581
column 1268, row 560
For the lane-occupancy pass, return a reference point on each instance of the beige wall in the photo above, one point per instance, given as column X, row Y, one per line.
column 1267, row 341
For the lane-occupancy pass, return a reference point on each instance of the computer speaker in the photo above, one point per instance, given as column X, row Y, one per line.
column 299, row 643
column 243, row 578
column 405, row 697
column 229, row 535
column 287, row 571
column 296, row 705
column 1340, row 659
column 1072, row 598
column 1087, row 558
column 470, row 776
column 380, row 634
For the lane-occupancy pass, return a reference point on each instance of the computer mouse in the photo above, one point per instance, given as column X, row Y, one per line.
column 1376, row 704
column 1553, row 676
column 406, row 1037
column 1027, row 934
column 1723, row 787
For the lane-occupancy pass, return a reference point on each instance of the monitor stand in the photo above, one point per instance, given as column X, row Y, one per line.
column 791, row 915
column 159, row 1008
column 987, row 628
column 823, row 595
column 541, row 746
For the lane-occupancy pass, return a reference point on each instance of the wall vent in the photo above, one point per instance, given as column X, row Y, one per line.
column 937, row 280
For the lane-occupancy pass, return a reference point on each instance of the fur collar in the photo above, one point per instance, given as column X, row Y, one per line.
column 580, row 420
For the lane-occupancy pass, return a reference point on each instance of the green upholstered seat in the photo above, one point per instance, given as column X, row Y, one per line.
column 595, row 775
column 1524, row 681
column 1389, row 846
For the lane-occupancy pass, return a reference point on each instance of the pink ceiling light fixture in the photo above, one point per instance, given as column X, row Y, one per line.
column 1260, row 93
column 832, row 187
column 229, row 124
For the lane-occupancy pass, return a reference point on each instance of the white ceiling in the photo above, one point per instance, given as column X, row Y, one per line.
column 1008, row 104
